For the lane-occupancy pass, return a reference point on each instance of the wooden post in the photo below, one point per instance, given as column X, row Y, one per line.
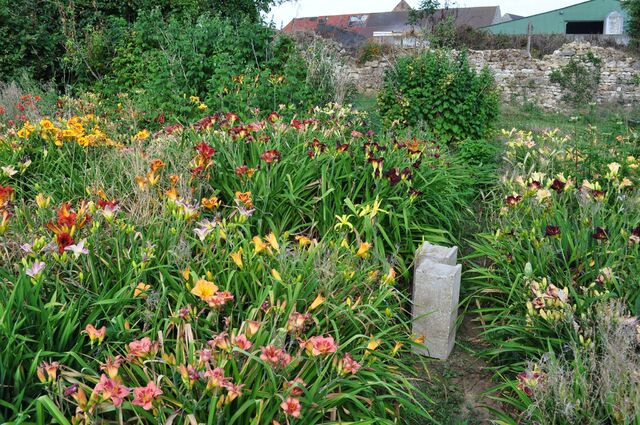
column 529, row 34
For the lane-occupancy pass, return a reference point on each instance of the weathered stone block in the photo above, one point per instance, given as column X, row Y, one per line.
column 437, row 254
column 436, row 293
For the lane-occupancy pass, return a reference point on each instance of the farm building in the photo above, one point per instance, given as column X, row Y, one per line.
column 590, row 17
column 390, row 26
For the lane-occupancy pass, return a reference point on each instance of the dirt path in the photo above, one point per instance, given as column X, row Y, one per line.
column 457, row 385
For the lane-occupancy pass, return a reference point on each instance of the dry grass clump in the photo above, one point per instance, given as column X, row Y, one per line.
column 593, row 383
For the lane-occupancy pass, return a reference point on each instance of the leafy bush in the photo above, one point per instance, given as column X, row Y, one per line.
column 579, row 79
column 452, row 100
column 239, row 66
column 63, row 41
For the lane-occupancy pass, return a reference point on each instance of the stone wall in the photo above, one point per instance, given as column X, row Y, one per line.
column 523, row 79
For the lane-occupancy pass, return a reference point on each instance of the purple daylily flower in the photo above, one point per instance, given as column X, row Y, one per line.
column 35, row 270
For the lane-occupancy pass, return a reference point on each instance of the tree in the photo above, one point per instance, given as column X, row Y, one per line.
column 61, row 39
column 633, row 26
column 426, row 9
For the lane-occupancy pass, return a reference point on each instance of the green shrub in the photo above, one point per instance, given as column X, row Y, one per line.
column 579, row 79
column 454, row 101
column 160, row 63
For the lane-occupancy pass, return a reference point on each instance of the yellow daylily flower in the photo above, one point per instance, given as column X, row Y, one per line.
column 237, row 258
column 317, row 302
column 41, row 201
column 363, row 249
column 258, row 245
column 204, row 289
column 343, row 221
column 276, row 275
column 273, row 241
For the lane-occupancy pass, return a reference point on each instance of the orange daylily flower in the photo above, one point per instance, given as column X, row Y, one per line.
column 95, row 334
column 141, row 289
column 211, row 203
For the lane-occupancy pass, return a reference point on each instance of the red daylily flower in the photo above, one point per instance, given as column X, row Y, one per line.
column 271, row 156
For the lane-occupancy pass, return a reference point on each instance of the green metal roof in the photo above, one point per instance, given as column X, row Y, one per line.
column 555, row 21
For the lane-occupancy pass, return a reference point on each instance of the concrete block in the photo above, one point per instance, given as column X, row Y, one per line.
column 436, row 293
column 437, row 254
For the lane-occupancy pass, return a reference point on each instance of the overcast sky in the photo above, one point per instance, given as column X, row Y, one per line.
column 281, row 15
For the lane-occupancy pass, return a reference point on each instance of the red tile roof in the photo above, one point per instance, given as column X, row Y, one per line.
column 366, row 24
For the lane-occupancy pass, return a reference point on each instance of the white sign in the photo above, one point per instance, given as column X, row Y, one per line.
column 614, row 24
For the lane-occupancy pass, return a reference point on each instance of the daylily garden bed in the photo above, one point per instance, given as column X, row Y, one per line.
column 255, row 269
column 222, row 271
column 564, row 239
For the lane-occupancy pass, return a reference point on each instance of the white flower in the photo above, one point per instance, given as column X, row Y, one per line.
column 9, row 170
column 77, row 249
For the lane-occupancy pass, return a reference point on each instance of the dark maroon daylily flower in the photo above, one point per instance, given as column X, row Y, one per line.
column 636, row 232
column 414, row 193
column 552, row 231
column 377, row 165
column 558, row 186
column 535, row 185
column 600, row 234
column 341, row 147
column 598, row 194
column 513, row 200
column 319, row 146
column 406, row 174
column 393, row 175
column 238, row 132
column 398, row 145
